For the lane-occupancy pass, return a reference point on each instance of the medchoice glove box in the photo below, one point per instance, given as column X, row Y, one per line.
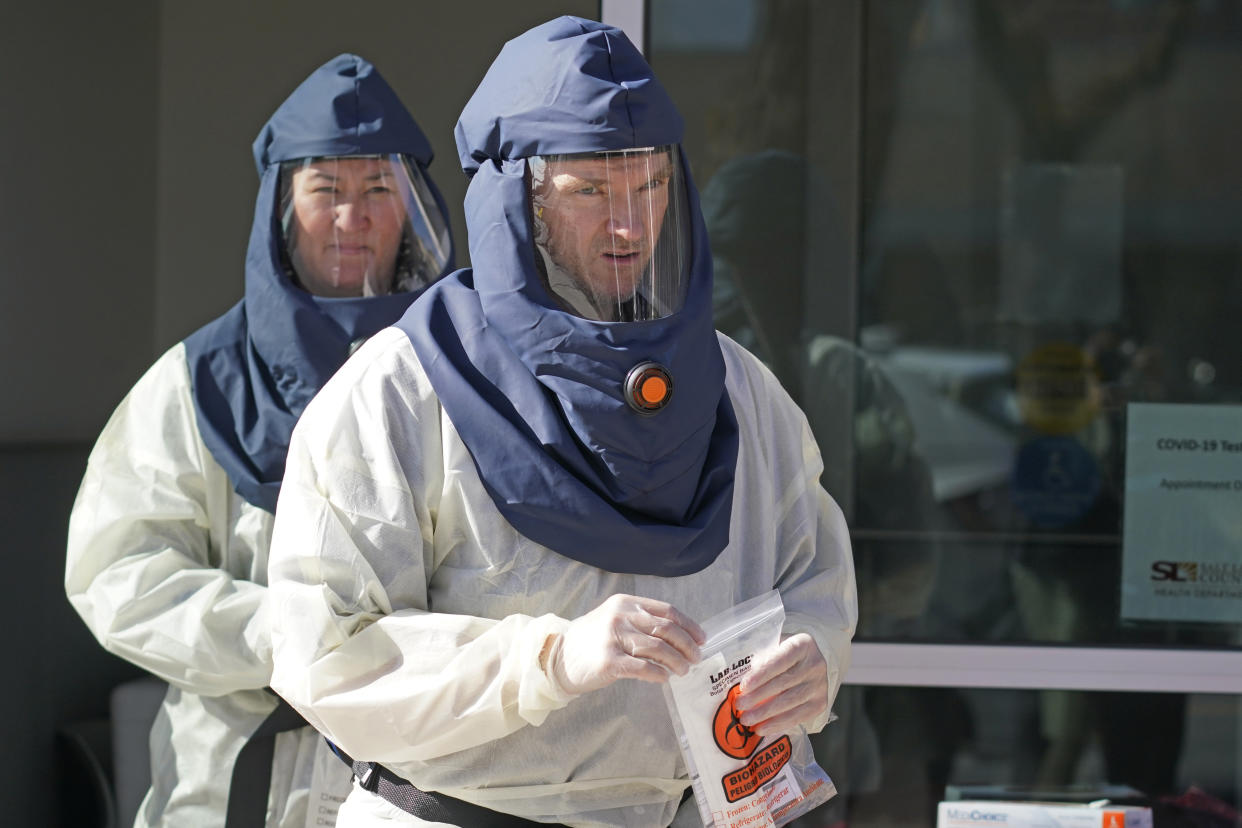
column 977, row 813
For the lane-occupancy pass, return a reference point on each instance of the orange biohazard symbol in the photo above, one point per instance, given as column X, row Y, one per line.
column 732, row 737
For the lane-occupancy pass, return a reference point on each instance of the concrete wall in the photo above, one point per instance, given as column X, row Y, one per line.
column 77, row 247
column 77, row 209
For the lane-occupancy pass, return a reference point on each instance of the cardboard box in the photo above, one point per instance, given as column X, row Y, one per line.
column 977, row 813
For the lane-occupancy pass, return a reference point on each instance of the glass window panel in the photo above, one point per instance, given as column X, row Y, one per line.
column 1050, row 234
column 968, row 235
column 1038, row 228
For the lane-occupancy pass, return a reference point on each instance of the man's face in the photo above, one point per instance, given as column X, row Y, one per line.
column 603, row 218
column 346, row 226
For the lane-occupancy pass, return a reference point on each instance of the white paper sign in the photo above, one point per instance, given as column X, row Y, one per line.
column 1182, row 549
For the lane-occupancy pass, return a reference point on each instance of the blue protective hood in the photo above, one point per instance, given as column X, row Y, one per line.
column 535, row 392
column 255, row 368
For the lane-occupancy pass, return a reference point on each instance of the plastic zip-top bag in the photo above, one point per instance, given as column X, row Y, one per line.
column 740, row 779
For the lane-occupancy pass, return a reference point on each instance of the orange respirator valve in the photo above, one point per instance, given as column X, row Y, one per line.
column 648, row 387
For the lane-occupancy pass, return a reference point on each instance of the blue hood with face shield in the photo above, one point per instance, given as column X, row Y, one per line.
column 255, row 368
column 536, row 393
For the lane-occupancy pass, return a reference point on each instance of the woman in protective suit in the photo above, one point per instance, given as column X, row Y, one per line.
column 168, row 539
column 536, row 484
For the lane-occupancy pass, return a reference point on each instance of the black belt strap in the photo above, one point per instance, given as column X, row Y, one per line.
column 428, row 805
column 252, row 772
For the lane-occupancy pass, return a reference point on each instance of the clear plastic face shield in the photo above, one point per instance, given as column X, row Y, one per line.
column 363, row 225
column 612, row 235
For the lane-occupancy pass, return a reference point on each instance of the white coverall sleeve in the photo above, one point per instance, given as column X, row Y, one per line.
column 814, row 560
column 823, row 604
column 140, row 569
column 355, row 649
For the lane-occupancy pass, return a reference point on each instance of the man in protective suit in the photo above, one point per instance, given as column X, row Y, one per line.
column 168, row 539
column 535, row 484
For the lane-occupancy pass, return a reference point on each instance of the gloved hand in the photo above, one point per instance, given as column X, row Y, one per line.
column 624, row 637
column 786, row 687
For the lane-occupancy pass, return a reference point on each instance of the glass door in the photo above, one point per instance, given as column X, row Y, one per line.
column 994, row 249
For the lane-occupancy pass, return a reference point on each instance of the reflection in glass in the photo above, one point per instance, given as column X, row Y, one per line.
column 1048, row 232
column 1047, row 228
column 1038, row 243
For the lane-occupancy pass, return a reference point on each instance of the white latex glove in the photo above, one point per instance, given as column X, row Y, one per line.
column 785, row 687
column 624, row 637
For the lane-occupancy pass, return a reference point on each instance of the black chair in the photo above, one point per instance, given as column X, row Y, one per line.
column 134, row 706
column 84, row 780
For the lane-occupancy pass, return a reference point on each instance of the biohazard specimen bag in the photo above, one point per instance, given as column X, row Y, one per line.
column 740, row 778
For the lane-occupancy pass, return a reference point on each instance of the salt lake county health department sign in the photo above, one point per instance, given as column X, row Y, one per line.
column 1182, row 533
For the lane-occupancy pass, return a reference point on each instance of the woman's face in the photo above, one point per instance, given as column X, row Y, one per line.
column 345, row 231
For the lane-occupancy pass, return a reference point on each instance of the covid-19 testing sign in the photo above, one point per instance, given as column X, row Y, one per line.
column 1182, row 546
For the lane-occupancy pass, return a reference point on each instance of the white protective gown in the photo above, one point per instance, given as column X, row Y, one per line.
column 408, row 615
column 167, row 565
